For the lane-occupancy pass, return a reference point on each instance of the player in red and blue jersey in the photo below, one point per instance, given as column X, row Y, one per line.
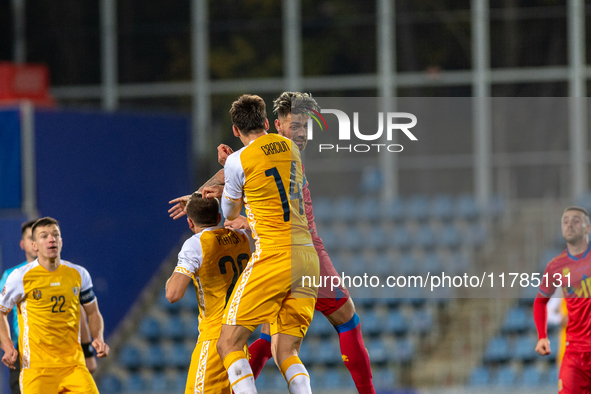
column 571, row 271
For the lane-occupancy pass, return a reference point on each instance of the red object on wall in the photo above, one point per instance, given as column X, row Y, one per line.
column 24, row 82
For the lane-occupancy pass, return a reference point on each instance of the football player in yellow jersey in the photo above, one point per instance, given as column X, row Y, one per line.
column 267, row 176
column 48, row 293
column 213, row 259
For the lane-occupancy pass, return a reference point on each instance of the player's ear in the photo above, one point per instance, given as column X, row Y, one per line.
column 235, row 131
column 266, row 124
column 22, row 244
column 191, row 224
column 278, row 125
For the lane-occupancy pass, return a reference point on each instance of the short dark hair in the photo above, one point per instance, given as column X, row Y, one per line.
column 249, row 113
column 203, row 211
column 27, row 225
column 576, row 208
column 294, row 102
column 43, row 222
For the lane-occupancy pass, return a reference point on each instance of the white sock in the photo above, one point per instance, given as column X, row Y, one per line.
column 241, row 377
column 298, row 379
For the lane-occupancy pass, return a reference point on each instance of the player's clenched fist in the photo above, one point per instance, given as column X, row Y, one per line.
column 102, row 349
column 543, row 347
column 223, row 152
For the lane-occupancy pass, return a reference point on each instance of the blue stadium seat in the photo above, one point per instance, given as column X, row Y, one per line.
column 458, row 264
column 179, row 356
column 174, row 329
column 134, row 383
column 425, row 237
column 166, row 305
column 553, row 375
column 505, row 377
column 371, row 180
column 528, row 294
column 466, row 207
column 130, row 357
column 441, row 207
column 178, row 382
column 323, row 209
column 158, row 383
column 449, row 237
column 396, row 323
column 155, row 357
column 405, row 266
column 401, row 238
column 192, row 328
column 497, row 350
column 417, row 208
column 532, row 376
column 479, row 376
column 328, row 353
column 431, row 263
column 382, row 265
column 475, row 235
column 548, row 255
column 422, row 321
column 351, row 239
column 394, row 210
column 404, row 350
column 333, row 379
column 344, row 209
column 329, row 239
column 306, row 354
column 375, row 239
column 110, row 384
column 525, row 349
column 320, row 326
column 189, row 300
column 378, row 352
column 384, row 379
column 371, row 323
column 368, row 209
column 150, row 329
column 516, row 320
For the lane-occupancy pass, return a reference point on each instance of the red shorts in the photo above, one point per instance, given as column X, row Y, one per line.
column 329, row 301
column 575, row 373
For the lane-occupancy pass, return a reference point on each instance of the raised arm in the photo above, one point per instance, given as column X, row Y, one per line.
column 176, row 286
column 97, row 327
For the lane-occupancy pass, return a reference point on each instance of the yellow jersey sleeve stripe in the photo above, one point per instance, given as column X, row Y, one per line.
column 184, row 271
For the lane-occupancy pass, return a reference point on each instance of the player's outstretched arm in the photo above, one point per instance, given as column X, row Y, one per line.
column 180, row 208
column 176, row 286
column 10, row 353
column 97, row 327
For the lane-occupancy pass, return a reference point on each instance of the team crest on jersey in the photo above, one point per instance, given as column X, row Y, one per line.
column 76, row 291
column 37, row 294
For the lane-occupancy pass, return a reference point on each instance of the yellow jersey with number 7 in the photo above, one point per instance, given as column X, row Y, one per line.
column 267, row 174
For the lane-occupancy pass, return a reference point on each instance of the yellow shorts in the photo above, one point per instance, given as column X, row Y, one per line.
column 68, row 379
column 270, row 291
column 207, row 374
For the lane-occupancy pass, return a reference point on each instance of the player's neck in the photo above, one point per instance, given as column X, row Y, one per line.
column 247, row 139
column 50, row 264
column 578, row 248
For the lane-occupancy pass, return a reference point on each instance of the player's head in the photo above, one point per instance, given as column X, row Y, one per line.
column 575, row 224
column 203, row 212
column 249, row 115
column 27, row 240
column 47, row 238
column 292, row 109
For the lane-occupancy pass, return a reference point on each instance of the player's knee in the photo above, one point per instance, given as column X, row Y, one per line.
column 343, row 314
